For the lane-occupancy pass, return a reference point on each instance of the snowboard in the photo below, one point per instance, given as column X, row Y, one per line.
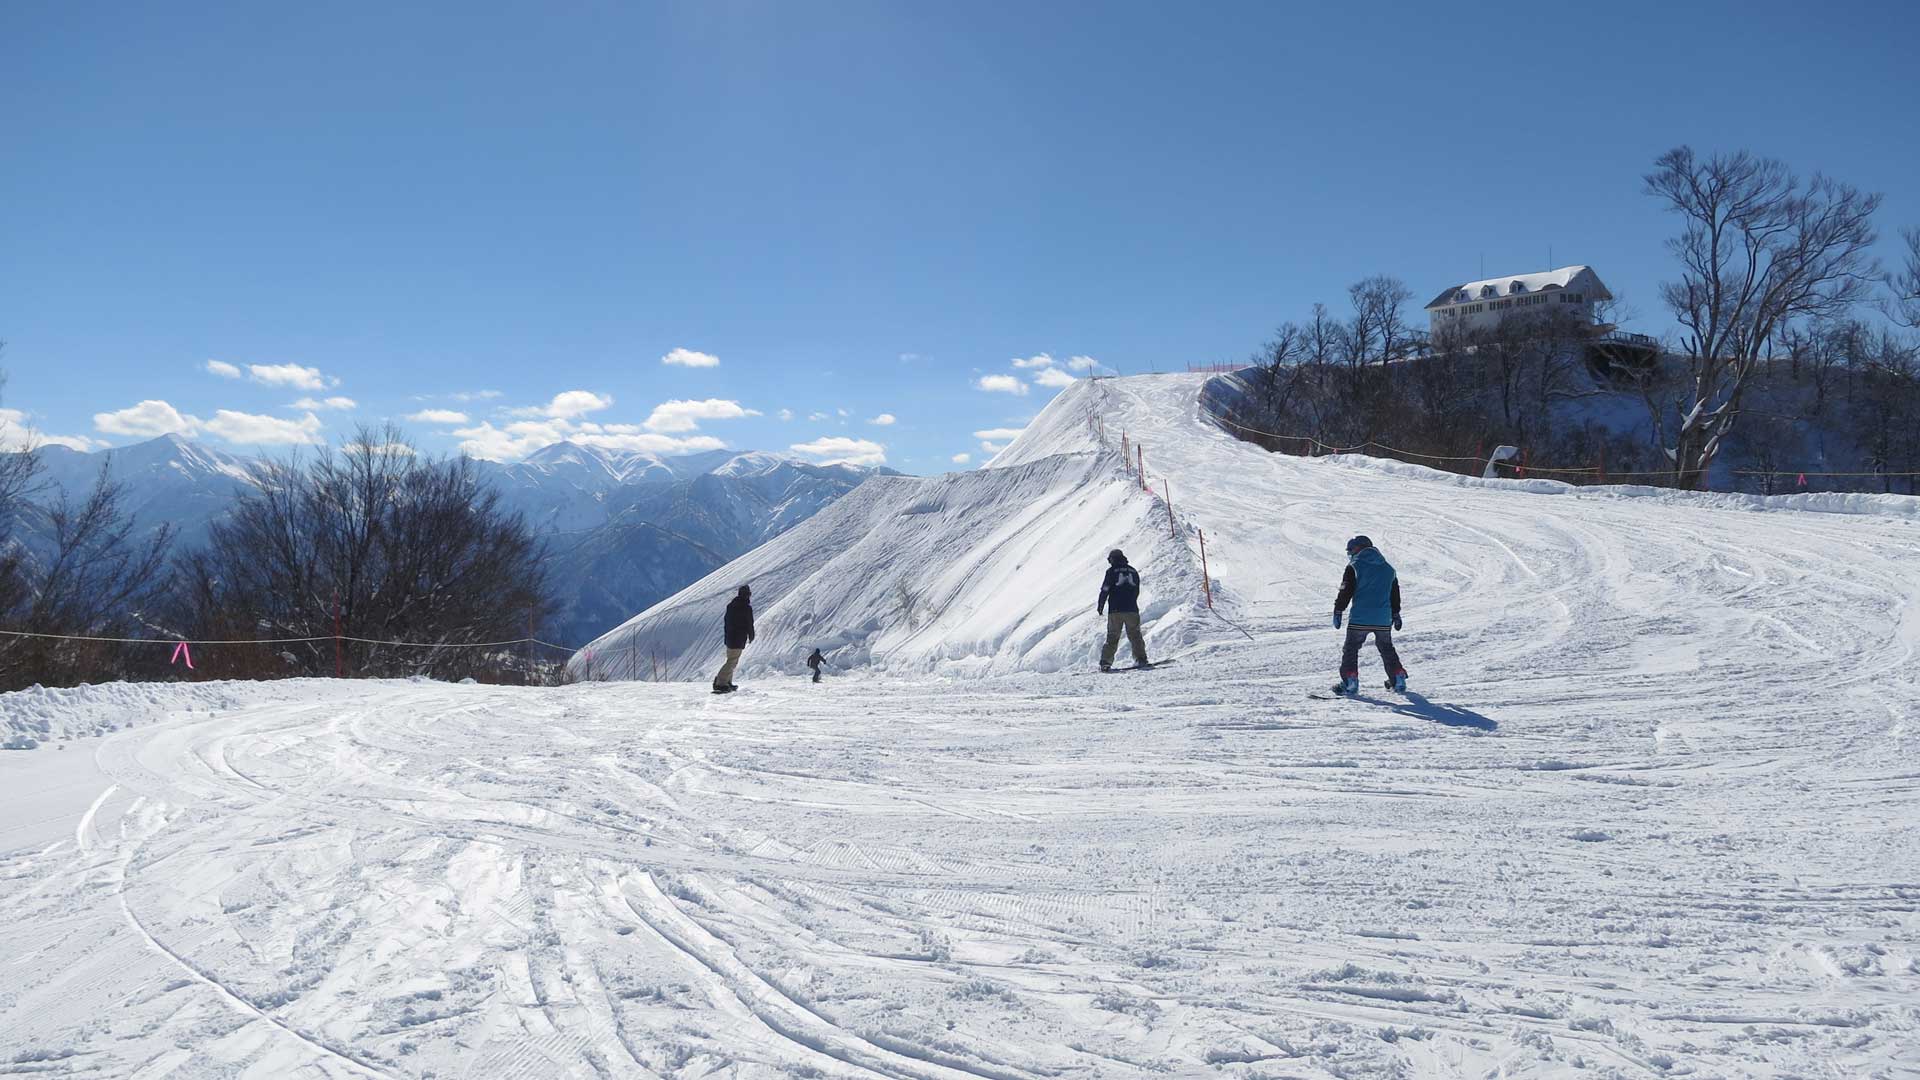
column 1328, row 695
column 1137, row 667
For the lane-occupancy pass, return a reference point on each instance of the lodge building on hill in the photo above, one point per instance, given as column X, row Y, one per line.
column 1478, row 305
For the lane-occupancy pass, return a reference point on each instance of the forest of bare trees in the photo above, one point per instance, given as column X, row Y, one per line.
column 1795, row 354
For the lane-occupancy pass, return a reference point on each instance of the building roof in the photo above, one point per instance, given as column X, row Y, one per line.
column 1528, row 283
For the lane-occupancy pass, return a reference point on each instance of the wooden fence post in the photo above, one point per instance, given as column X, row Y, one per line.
column 339, row 655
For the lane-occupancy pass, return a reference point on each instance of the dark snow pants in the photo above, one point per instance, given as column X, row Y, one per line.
column 1350, row 654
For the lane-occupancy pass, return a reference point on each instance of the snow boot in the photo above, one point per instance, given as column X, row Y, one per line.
column 1399, row 683
column 1106, row 667
column 1349, row 686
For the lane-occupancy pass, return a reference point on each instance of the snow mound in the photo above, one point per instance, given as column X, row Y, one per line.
column 39, row 714
column 967, row 574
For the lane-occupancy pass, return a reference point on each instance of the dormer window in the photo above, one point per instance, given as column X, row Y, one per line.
column 1517, row 287
column 1488, row 290
column 1460, row 297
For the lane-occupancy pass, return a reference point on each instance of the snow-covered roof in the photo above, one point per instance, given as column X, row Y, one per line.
column 1517, row 284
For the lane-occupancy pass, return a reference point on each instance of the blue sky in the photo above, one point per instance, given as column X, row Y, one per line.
column 859, row 210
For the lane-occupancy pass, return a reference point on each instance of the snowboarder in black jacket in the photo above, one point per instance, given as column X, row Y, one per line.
column 738, row 631
column 814, row 662
column 1120, row 601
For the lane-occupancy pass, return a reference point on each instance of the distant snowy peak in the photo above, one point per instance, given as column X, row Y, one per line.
column 174, row 454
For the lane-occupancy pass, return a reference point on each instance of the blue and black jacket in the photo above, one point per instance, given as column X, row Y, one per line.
column 1373, row 589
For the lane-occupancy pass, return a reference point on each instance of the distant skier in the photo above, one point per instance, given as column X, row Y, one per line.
column 738, row 631
column 1374, row 590
column 1120, row 601
column 814, row 662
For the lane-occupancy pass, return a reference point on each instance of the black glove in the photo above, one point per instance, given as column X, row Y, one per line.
column 1099, row 609
column 1336, row 620
column 1396, row 620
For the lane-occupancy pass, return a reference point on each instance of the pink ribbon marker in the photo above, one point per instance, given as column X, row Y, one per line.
column 180, row 651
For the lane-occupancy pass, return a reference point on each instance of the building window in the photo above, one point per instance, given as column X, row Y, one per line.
column 1517, row 287
column 1487, row 290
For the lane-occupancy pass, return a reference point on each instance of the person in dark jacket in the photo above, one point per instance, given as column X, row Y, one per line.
column 1120, row 601
column 814, row 662
column 1373, row 589
column 738, row 631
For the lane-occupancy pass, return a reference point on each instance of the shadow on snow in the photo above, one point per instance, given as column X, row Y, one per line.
column 1420, row 708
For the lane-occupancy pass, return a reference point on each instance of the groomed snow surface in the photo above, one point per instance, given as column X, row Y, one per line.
column 1652, row 810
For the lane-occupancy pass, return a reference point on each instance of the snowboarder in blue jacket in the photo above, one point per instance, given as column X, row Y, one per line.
column 1373, row 589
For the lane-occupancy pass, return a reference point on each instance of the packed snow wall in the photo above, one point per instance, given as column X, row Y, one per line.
column 967, row 574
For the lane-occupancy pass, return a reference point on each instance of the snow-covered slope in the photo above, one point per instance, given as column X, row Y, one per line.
column 974, row 573
column 1651, row 810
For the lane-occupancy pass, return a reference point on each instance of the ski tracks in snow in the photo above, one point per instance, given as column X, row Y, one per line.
column 1651, row 809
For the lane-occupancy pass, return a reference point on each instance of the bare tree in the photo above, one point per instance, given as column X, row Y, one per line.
column 1759, row 249
column 97, row 579
column 1378, row 332
column 396, row 546
column 1905, row 284
column 19, row 468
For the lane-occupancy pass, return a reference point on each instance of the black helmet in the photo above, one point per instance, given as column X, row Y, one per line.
column 746, row 590
column 1357, row 543
column 1116, row 557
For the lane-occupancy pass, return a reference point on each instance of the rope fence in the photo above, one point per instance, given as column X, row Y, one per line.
column 182, row 654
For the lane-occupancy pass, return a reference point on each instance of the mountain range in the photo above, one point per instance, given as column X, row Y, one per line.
column 623, row 529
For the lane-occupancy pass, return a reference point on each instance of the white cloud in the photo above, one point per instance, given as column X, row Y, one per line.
column 518, row 439
column 439, row 416
column 962, row 459
column 567, row 405
column 786, row 414
column 1053, row 377
column 1002, row 384
column 690, row 358
column 999, row 434
column 840, row 450
column 686, row 415
column 1082, row 363
column 572, row 403
column 885, row 419
column 17, row 434
column 819, row 416
column 474, row 395
column 311, row 405
column 151, row 418
column 291, row 375
column 1040, row 360
column 146, row 420
column 254, row 430
column 222, row 369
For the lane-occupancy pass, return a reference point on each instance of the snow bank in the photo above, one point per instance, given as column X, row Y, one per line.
column 38, row 714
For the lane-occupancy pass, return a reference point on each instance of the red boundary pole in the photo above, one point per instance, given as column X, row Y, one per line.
column 1206, row 579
